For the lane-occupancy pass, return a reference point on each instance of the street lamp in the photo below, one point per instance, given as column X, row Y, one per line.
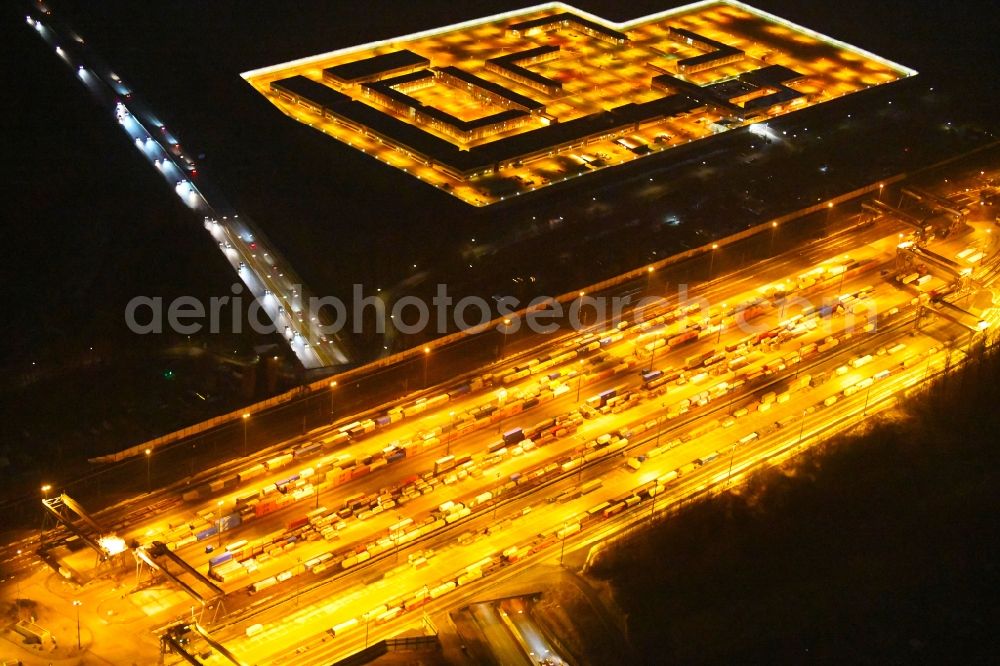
column 149, row 487
column 732, row 455
column 659, row 424
column 45, row 496
column 246, row 418
column 501, row 400
column 496, row 497
column 579, row 381
column 77, row 603
column 774, row 230
column 982, row 326
column 711, row 261
column 652, row 500
column 503, row 340
column 427, row 353
column 395, row 536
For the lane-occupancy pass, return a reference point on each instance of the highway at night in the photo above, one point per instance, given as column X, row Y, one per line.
column 266, row 275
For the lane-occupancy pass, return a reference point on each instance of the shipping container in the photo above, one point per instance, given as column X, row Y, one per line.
column 306, row 449
column 278, row 462
column 683, row 338
column 597, row 509
column 207, row 533
column 513, row 436
column 220, row 559
column 442, row 589
column 334, row 440
column 443, row 464
column 230, row 522
column 349, row 427
column 568, row 531
column 704, row 460
column 614, row 509
column 262, row 585
column 251, row 472
column 339, row 629
column 236, row 546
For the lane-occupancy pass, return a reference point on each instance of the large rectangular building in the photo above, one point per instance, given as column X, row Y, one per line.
column 375, row 68
column 518, row 101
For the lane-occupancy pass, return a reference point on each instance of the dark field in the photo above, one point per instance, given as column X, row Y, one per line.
column 877, row 548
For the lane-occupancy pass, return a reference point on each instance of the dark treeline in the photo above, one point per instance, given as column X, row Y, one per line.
column 878, row 547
